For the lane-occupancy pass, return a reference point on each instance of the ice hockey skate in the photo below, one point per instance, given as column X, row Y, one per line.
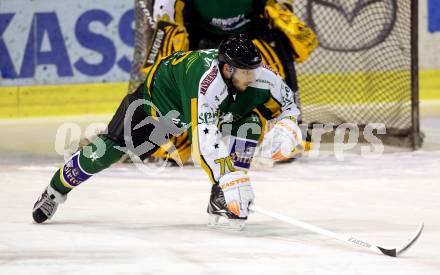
column 47, row 204
column 220, row 217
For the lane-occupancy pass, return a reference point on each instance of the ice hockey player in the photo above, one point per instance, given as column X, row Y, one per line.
column 204, row 94
column 282, row 38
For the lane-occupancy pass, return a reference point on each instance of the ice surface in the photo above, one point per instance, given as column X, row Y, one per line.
column 125, row 222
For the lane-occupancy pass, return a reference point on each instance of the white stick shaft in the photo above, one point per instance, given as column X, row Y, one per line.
column 354, row 241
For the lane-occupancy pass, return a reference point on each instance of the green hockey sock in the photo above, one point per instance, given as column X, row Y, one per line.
column 91, row 159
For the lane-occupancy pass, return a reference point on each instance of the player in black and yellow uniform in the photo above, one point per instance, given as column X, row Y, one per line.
column 280, row 36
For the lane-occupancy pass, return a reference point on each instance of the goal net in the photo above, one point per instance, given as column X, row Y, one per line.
column 364, row 70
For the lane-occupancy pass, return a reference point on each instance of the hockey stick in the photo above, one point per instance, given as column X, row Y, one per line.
column 346, row 238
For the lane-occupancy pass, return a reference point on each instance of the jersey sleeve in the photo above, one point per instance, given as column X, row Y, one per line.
column 211, row 151
column 286, row 98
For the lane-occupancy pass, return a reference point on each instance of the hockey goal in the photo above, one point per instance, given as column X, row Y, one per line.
column 365, row 69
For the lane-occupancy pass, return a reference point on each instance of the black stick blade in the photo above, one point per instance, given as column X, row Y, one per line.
column 395, row 252
column 389, row 252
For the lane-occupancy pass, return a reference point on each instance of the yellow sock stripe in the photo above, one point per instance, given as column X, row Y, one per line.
column 184, row 146
column 175, row 155
column 165, row 147
column 182, row 139
column 195, row 141
column 159, row 153
column 63, row 181
column 184, row 151
column 181, row 143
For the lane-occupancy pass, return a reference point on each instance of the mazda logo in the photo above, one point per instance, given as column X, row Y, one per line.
column 351, row 25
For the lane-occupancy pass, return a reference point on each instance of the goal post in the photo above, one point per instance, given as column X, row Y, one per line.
column 365, row 69
column 416, row 134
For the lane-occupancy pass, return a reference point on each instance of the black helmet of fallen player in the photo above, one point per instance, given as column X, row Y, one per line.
column 239, row 52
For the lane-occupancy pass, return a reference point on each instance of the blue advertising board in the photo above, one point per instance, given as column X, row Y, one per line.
column 50, row 42
column 434, row 15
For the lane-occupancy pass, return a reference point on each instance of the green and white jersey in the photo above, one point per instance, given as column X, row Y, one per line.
column 223, row 17
column 191, row 84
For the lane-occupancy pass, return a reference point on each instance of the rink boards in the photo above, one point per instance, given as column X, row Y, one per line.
column 100, row 98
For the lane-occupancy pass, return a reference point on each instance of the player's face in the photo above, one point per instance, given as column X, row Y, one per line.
column 241, row 79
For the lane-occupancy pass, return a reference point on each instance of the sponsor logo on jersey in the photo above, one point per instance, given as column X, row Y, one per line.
column 266, row 82
column 207, row 117
column 229, row 23
column 208, row 80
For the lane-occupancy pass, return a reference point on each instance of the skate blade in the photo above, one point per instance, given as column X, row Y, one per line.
column 218, row 222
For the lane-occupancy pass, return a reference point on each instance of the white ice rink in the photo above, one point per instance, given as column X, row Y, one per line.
column 124, row 222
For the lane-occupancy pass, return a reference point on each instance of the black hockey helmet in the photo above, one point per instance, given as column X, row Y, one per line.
column 239, row 52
